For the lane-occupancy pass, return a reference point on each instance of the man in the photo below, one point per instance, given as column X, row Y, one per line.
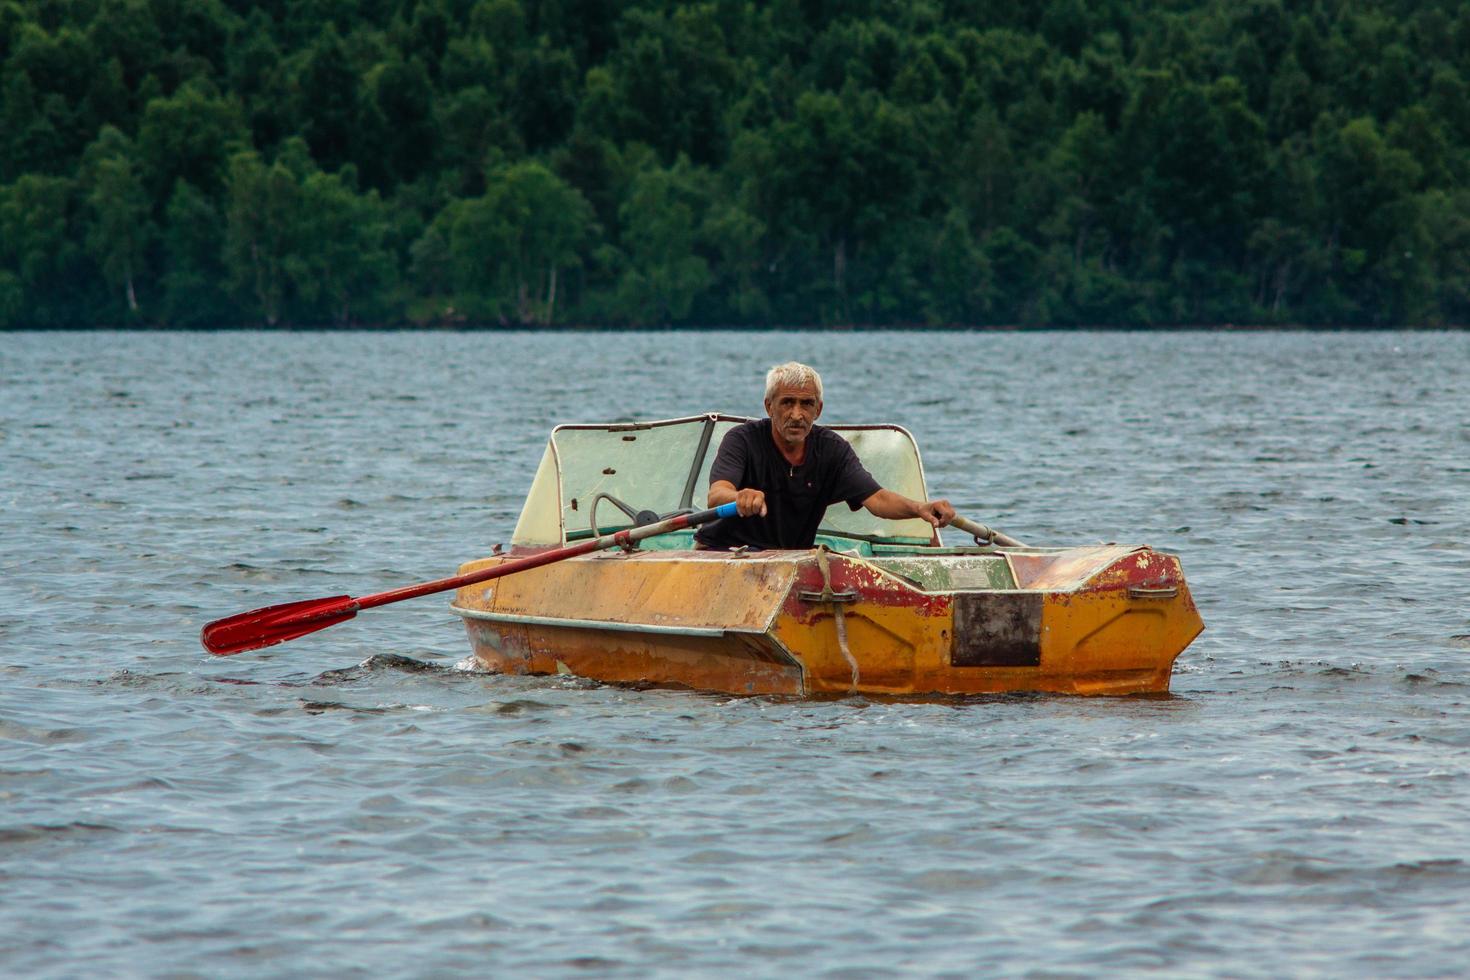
column 784, row 470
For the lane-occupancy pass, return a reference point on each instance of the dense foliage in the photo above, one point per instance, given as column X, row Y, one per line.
column 210, row 162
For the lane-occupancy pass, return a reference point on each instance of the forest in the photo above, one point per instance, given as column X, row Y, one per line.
column 382, row 163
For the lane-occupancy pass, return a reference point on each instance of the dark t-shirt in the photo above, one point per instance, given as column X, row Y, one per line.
column 796, row 496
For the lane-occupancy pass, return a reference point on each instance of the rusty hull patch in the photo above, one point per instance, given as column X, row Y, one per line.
column 866, row 581
column 997, row 630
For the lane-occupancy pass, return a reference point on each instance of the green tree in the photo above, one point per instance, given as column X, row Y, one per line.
column 1015, row 268
column 474, row 129
column 191, row 136
column 544, row 94
column 342, row 265
column 194, row 277
column 843, row 169
column 259, row 245
column 1088, row 230
column 671, row 79
column 954, row 276
column 1376, row 232
column 662, row 274
column 1205, row 150
column 204, row 29
column 509, row 247
column 59, row 70
column 12, row 17
column 327, row 100
column 12, row 300
column 735, row 237
column 29, row 140
column 302, row 244
column 1109, row 161
column 39, row 248
column 258, row 77
column 119, row 227
column 1447, row 232
column 982, row 170
column 126, row 30
column 399, row 118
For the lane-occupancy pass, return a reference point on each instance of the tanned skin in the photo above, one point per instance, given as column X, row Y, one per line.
column 794, row 409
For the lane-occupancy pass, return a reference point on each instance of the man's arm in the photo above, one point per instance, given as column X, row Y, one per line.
column 748, row 502
column 728, row 466
column 896, row 507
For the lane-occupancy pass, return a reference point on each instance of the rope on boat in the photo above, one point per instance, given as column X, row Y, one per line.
column 839, row 616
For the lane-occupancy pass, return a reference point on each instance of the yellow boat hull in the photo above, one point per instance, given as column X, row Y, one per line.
column 1098, row 620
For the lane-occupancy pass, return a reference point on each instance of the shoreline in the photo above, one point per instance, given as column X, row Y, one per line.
column 747, row 328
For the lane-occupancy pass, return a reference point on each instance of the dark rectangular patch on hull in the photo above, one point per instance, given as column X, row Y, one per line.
column 993, row 630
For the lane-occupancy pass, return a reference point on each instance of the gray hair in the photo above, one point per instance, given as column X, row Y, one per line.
column 793, row 374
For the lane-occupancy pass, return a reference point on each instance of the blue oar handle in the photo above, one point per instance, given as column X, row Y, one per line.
column 676, row 523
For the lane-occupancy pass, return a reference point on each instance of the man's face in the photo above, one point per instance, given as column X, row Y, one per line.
column 793, row 409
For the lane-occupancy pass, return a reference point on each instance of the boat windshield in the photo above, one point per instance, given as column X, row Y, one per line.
column 664, row 466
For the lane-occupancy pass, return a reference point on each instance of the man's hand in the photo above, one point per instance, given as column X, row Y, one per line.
column 937, row 512
column 752, row 503
column 896, row 507
column 748, row 502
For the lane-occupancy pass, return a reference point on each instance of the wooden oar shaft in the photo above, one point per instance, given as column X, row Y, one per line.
column 983, row 533
column 629, row 535
column 278, row 624
column 483, row 575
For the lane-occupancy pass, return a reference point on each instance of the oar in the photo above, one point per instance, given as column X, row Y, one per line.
column 277, row 624
column 985, row 535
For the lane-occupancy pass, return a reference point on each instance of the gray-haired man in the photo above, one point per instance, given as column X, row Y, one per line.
column 783, row 471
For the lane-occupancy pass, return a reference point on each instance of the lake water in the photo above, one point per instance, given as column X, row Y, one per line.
column 352, row 804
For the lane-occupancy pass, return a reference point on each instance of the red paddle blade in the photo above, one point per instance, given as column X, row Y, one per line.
column 275, row 624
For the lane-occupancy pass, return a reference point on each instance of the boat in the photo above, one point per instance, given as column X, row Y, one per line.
column 877, row 608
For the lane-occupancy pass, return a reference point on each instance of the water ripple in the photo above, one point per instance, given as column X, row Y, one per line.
column 365, row 797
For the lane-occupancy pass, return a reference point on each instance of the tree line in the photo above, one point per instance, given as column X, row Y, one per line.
column 655, row 162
